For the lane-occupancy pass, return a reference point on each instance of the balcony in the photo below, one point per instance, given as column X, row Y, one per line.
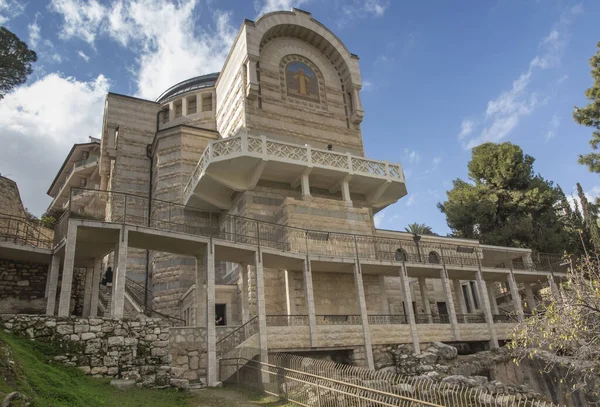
column 80, row 169
column 238, row 163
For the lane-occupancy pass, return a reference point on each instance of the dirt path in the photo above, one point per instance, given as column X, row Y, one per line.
column 233, row 397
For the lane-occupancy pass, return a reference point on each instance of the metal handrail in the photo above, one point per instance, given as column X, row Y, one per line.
column 23, row 231
column 387, row 319
column 470, row 318
column 176, row 217
column 235, row 338
column 338, row 319
column 133, row 288
column 287, row 320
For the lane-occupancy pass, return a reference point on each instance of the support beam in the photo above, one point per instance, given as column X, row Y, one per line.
column 262, row 312
column 492, row 298
column 305, row 183
column 256, row 174
column 470, row 298
column 487, row 309
column 212, row 374
column 221, row 202
column 64, row 304
column 87, row 291
column 200, row 306
column 309, row 299
column 120, row 275
column 531, row 303
column 425, row 299
column 362, row 307
column 460, row 297
column 96, row 276
column 290, row 293
column 52, row 285
column 450, row 303
column 385, row 307
column 245, row 274
column 516, row 297
column 377, row 192
column 410, row 313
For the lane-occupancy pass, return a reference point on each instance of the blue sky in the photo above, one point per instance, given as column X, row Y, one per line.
column 439, row 77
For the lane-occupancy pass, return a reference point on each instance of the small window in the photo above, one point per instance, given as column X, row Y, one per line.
column 85, row 155
column 434, row 258
column 191, row 105
column 178, row 106
column 207, row 103
column 401, row 255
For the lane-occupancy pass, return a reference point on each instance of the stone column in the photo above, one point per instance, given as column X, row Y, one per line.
column 405, row 285
column 516, row 297
column 95, row 287
column 345, row 187
column 362, row 308
column 460, row 297
column 492, row 298
column 200, row 306
column 487, row 310
column 262, row 312
column 531, row 303
column 171, row 111
column 309, row 299
column 184, row 106
column 245, row 302
column 385, row 308
column 425, row 298
column 87, row 292
column 450, row 303
column 120, row 275
column 52, row 285
column 305, row 184
column 553, row 288
column 212, row 374
column 290, row 294
column 64, row 303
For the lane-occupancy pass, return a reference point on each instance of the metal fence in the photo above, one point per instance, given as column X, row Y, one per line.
column 170, row 216
column 237, row 337
column 23, row 231
column 319, row 383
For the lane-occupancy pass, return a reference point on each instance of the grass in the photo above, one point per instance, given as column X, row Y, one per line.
column 27, row 366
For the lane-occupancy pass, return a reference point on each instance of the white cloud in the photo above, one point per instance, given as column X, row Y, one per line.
column 378, row 218
column 40, row 123
column 412, row 156
column 466, row 127
column 266, row 6
column 83, row 56
column 505, row 112
column 34, row 32
column 412, row 199
column 562, row 79
column 9, row 9
column 167, row 53
column 359, row 9
column 367, row 85
column 552, row 127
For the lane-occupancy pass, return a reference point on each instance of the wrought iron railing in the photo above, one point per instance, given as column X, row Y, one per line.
column 432, row 319
column 237, row 337
column 470, row 318
column 338, row 320
column 169, row 216
column 319, row 383
column 287, row 320
column 23, row 231
column 503, row 318
column 387, row 319
column 142, row 297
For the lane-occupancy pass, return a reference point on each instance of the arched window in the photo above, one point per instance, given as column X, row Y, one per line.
column 434, row 257
column 401, row 255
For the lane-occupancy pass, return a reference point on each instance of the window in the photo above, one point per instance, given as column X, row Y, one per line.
column 474, row 292
column 178, row 106
column 191, row 105
column 434, row 258
column 220, row 314
column 207, row 103
column 401, row 255
column 85, row 155
column 466, row 298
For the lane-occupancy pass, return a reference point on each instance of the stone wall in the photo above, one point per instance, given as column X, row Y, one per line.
column 10, row 199
column 22, row 287
column 136, row 349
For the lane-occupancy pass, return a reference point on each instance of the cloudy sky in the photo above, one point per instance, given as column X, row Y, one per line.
column 440, row 77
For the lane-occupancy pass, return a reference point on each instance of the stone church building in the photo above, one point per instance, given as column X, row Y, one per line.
column 239, row 205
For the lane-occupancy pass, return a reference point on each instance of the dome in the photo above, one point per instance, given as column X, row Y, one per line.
column 198, row 82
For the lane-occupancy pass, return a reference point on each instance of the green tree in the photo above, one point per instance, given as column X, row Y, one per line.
column 505, row 204
column 419, row 229
column 590, row 116
column 15, row 61
column 590, row 220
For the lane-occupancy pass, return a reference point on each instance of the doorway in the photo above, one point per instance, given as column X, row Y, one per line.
column 220, row 314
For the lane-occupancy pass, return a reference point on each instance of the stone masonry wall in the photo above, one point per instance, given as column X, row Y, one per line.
column 22, row 287
column 132, row 349
column 10, row 199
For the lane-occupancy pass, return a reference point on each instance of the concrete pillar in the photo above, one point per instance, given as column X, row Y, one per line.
column 460, row 297
column 87, row 292
column 212, row 374
column 120, row 275
column 64, row 303
column 385, row 307
column 184, row 107
column 52, row 285
column 531, row 303
column 244, row 273
column 425, row 298
column 450, row 303
column 364, row 317
column 487, row 309
column 262, row 312
column 171, row 111
column 553, row 288
column 492, row 299
column 305, row 183
column 309, row 298
column 346, row 192
column 410, row 313
column 96, row 276
column 470, row 298
column 516, row 297
column 199, row 279
column 290, row 293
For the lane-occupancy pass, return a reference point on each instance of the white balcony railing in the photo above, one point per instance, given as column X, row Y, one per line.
column 262, row 147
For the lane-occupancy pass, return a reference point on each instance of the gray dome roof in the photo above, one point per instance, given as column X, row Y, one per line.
column 198, row 82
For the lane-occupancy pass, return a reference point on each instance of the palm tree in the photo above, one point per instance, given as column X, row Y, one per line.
column 419, row 229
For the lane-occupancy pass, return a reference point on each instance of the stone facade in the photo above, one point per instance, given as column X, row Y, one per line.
column 10, row 199
column 22, row 287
